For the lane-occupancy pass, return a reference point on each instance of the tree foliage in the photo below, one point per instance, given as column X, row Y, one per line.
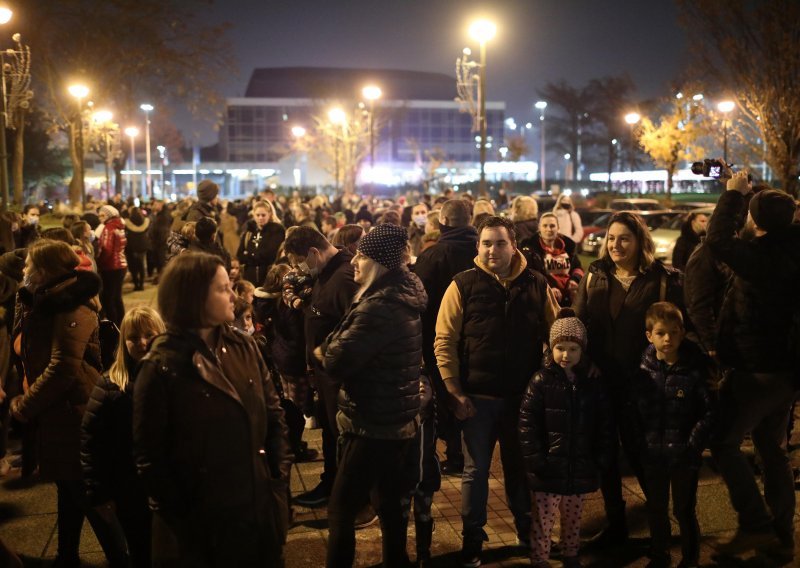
column 127, row 51
column 752, row 51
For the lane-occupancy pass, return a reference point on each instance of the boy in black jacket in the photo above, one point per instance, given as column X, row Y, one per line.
column 672, row 410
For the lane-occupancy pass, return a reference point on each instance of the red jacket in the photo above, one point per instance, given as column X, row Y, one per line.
column 111, row 244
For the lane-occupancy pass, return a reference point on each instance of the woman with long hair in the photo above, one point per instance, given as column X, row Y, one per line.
column 56, row 340
column 210, row 440
column 261, row 239
column 375, row 352
column 569, row 222
column 112, row 486
column 612, row 300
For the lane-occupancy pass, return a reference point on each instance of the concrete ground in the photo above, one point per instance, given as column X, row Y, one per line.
column 28, row 519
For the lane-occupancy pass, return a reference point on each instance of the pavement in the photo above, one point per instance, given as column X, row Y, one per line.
column 28, row 518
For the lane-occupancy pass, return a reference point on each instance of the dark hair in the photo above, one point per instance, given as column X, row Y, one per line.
column 69, row 220
column 456, row 213
column 205, row 230
column 636, row 225
column 300, row 239
column 241, row 307
column 59, row 234
column 183, row 289
column 390, row 218
column 78, row 230
column 662, row 312
column 53, row 258
column 30, row 206
column 494, row 221
column 348, row 235
column 273, row 281
column 135, row 215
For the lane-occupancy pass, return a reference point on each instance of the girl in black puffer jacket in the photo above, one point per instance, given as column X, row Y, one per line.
column 565, row 433
column 112, row 486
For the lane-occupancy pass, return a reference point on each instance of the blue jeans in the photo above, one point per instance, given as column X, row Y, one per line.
column 756, row 403
column 495, row 419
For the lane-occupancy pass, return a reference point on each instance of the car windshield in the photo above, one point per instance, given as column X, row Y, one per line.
column 646, row 206
column 660, row 220
column 602, row 220
column 674, row 224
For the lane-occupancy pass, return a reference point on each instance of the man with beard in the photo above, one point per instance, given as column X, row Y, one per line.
column 758, row 340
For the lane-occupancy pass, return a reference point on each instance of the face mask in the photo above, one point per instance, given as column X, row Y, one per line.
column 420, row 220
column 566, row 206
column 92, row 237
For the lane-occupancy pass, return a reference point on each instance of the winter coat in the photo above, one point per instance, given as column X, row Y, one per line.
column 60, row 357
column 159, row 230
column 436, row 266
column 8, row 292
column 111, row 246
column 756, row 322
column 615, row 343
column 526, row 229
column 704, row 286
column 136, row 236
column 686, row 243
column 107, row 444
column 422, row 458
column 330, row 299
column 375, row 352
column 199, row 210
column 569, row 224
column 282, row 326
column 210, row 445
column 559, row 263
column 258, row 249
column 565, row 431
column 672, row 407
column 212, row 248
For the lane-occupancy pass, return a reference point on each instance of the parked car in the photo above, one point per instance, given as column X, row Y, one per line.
column 635, row 204
column 692, row 205
column 667, row 235
column 595, row 242
column 591, row 226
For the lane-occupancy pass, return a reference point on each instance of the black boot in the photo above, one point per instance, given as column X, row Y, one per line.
column 424, row 537
column 615, row 534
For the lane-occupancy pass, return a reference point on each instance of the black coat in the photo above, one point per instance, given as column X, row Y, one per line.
column 453, row 253
column 565, row 432
column 686, row 243
column 258, row 249
column 672, row 407
column 282, row 327
column 756, row 318
column 704, row 286
column 375, row 352
column 136, row 239
column 616, row 343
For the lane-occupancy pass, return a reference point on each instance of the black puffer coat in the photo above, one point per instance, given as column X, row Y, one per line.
column 672, row 407
column 258, row 249
column 375, row 352
column 565, row 432
column 704, row 286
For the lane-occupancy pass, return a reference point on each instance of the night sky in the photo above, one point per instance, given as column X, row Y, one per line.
column 537, row 41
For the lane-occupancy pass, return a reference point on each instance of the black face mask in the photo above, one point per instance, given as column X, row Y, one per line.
column 566, row 206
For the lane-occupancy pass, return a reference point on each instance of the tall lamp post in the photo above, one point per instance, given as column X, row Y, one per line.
column 338, row 118
column 372, row 93
column 482, row 31
column 132, row 132
column 80, row 92
column 146, row 107
column 541, row 105
column 632, row 118
column 725, row 107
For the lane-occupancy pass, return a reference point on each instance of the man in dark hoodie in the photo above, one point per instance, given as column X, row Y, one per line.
column 453, row 253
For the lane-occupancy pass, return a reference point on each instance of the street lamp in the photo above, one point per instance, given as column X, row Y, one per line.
column 482, row 31
column 103, row 119
column 5, row 15
column 372, row 93
column 299, row 133
column 632, row 118
column 132, row 132
column 725, row 107
column 337, row 117
column 80, row 92
column 146, row 107
column 541, row 105
column 162, row 154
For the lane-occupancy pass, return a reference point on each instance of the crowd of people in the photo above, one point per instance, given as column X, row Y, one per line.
column 400, row 327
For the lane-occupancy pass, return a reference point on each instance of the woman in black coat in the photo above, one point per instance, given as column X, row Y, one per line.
column 612, row 300
column 375, row 352
column 109, row 473
column 258, row 247
column 138, row 242
column 210, row 440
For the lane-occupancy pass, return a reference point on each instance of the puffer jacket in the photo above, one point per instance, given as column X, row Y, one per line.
column 375, row 352
column 111, row 246
column 672, row 407
column 258, row 249
column 565, row 431
column 60, row 357
column 615, row 344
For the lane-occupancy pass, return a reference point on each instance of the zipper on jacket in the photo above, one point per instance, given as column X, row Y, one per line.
column 572, row 419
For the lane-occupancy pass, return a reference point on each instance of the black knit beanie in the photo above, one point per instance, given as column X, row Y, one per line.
column 385, row 244
column 772, row 209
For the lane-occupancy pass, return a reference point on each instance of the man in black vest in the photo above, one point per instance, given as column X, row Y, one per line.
column 436, row 266
column 492, row 325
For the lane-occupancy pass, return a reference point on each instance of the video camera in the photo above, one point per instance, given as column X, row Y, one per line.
column 709, row 168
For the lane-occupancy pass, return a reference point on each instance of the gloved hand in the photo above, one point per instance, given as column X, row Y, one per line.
column 13, row 263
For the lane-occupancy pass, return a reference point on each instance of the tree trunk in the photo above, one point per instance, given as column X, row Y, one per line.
column 18, row 162
column 75, row 197
column 670, row 173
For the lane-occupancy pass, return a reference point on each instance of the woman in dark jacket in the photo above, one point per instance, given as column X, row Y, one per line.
column 209, row 436
column 258, row 247
column 612, row 300
column 375, row 352
column 692, row 230
column 136, row 226
column 56, row 340
column 109, row 473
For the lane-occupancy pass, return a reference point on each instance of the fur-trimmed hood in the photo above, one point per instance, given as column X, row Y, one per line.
column 77, row 288
column 133, row 227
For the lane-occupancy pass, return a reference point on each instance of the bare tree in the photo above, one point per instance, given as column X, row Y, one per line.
column 752, row 50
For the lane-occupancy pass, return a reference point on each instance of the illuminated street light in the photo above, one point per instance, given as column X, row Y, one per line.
column 698, row 97
column 725, row 107
column 372, row 93
column 632, row 117
column 298, row 131
column 80, row 92
column 5, row 15
column 147, row 108
column 337, row 116
column 132, row 132
column 541, row 105
column 482, row 30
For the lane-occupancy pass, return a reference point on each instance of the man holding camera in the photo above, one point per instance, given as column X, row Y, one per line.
column 758, row 341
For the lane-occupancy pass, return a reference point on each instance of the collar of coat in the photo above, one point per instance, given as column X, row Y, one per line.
column 134, row 228
column 518, row 266
column 65, row 293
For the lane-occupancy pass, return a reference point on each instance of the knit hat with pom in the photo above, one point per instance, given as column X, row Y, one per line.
column 567, row 328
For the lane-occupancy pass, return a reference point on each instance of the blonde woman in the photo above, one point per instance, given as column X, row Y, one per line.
column 259, row 244
column 569, row 222
column 112, row 486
